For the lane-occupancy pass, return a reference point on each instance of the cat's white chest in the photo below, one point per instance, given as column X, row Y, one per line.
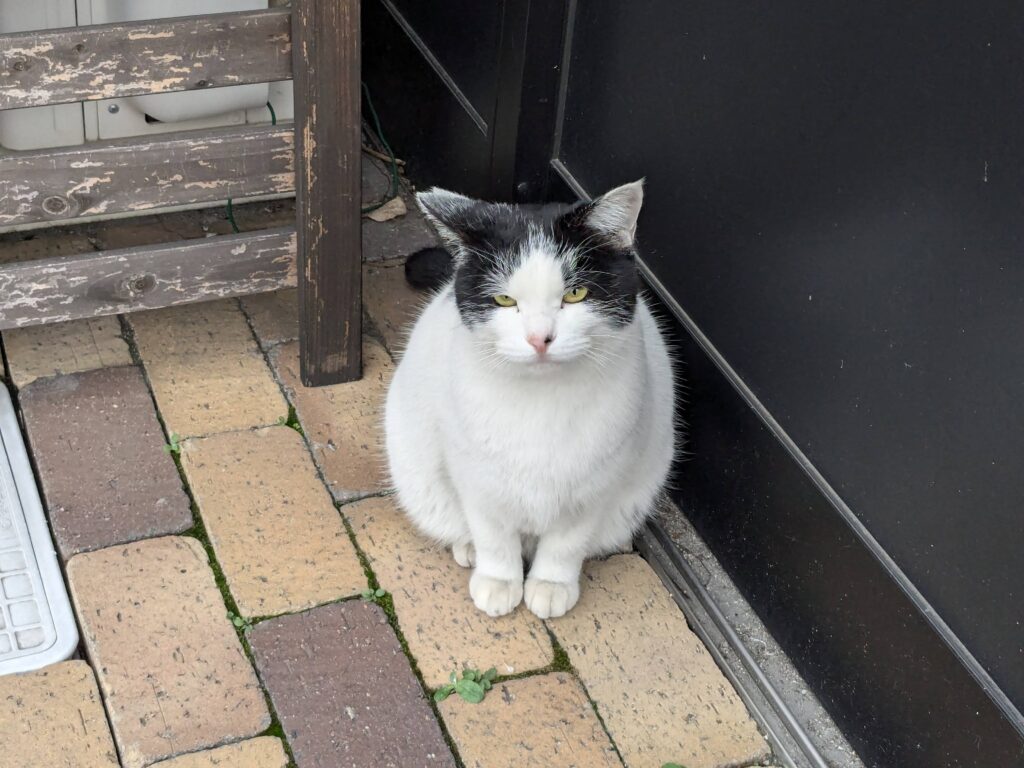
column 542, row 445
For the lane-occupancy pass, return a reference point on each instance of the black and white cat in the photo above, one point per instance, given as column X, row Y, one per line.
column 532, row 411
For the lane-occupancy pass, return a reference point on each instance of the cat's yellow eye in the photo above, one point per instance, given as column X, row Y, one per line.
column 575, row 296
column 503, row 300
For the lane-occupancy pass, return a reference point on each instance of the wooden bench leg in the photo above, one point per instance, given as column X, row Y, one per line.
column 325, row 50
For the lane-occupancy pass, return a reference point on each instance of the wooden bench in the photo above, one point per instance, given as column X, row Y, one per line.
column 317, row 158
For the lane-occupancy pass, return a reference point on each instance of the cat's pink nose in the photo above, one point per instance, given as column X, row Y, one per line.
column 539, row 342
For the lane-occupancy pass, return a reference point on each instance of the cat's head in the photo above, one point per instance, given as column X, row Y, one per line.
column 541, row 285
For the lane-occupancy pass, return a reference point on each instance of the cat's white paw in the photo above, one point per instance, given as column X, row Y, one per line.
column 551, row 599
column 495, row 597
column 464, row 553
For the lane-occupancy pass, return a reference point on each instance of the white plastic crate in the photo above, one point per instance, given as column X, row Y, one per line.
column 37, row 625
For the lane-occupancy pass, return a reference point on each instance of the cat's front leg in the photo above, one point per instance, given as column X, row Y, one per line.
column 496, row 585
column 553, row 586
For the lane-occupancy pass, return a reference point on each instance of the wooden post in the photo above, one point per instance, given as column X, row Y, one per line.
column 325, row 49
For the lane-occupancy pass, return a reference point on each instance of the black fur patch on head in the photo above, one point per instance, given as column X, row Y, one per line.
column 491, row 236
column 602, row 264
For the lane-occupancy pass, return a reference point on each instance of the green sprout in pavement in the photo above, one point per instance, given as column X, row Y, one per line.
column 472, row 686
column 239, row 622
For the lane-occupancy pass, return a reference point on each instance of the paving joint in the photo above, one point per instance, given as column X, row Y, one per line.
column 198, row 532
column 388, row 606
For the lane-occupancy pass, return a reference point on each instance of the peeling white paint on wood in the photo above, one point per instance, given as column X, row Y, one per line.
column 135, row 58
column 129, row 175
column 92, row 285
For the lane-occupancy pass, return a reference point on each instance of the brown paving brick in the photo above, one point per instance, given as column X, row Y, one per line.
column 274, row 316
column 100, row 454
column 174, row 676
column 389, row 301
column 345, row 692
column 54, row 718
column 273, row 525
column 659, row 691
column 78, row 345
column 343, row 421
column 398, row 237
column 544, row 721
column 206, row 370
column 261, row 752
column 431, row 595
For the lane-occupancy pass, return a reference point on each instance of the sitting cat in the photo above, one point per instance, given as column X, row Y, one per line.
column 532, row 412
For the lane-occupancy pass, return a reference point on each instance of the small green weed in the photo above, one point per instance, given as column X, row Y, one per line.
column 371, row 595
column 672, row 765
column 472, row 686
column 240, row 622
column 291, row 420
column 174, row 447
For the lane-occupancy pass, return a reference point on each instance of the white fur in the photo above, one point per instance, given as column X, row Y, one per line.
column 494, row 450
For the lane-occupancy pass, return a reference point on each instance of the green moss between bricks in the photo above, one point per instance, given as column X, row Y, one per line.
column 198, row 532
column 387, row 604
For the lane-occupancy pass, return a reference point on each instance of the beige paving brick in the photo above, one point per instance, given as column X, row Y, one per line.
column 79, row 345
column 274, row 316
column 544, row 721
column 54, row 718
column 273, row 525
column 343, row 421
column 444, row 629
column 174, row 676
column 206, row 370
column 261, row 752
column 389, row 301
column 659, row 691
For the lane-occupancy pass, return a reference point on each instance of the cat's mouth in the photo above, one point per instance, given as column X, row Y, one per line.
column 544, row 362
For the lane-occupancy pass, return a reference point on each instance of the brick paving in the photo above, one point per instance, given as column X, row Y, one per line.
column 544, row 721
column 170, row 681
column 342, row 422
column 345, row 692
column 272, row 523
column 389, row 302
column 274, row 316
column 100, row 456
column 206, row 370
column 261, row 752
column 444, row 630
column 173, row 673
column 658, row 689
column 48, row 350
column 54, row 718
column 397, row 238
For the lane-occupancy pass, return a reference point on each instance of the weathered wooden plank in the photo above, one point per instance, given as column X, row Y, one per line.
column 106, row 61
column 111, row 282
column 327, row 117
column 132, row 175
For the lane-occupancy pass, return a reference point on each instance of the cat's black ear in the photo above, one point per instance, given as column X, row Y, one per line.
column 449, row 212
column 614, row 213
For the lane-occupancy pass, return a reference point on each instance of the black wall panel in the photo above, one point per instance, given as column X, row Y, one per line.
column 836, row 197
column 464, row 37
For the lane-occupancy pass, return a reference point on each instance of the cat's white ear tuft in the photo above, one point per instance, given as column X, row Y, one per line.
column 446, row 211
column 615, row 212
